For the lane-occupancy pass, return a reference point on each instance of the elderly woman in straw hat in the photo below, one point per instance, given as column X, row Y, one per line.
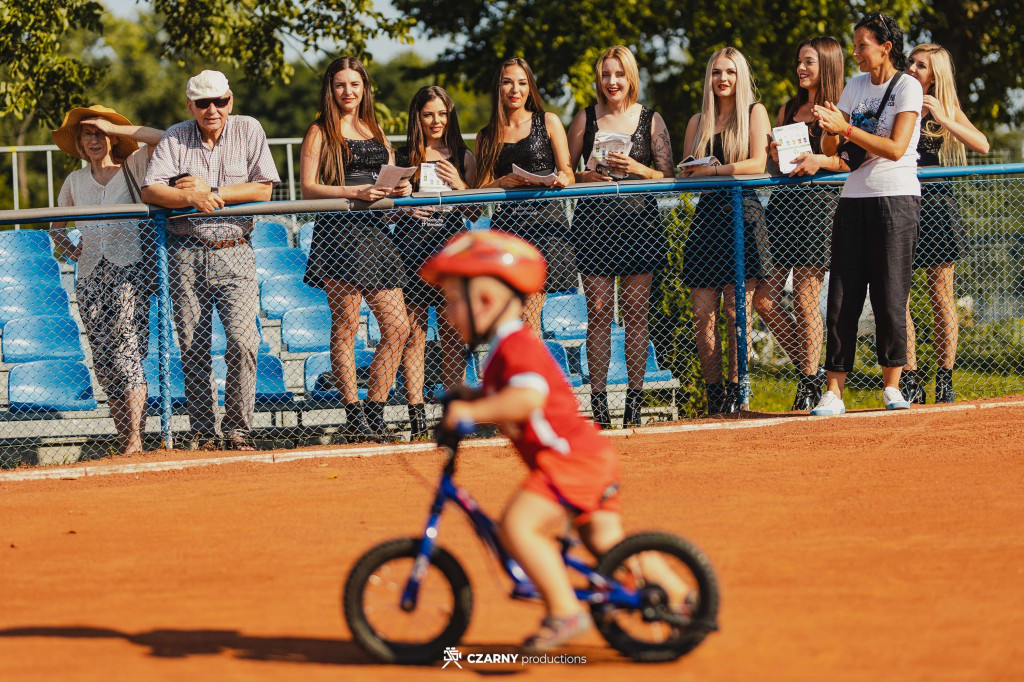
column 112, row 287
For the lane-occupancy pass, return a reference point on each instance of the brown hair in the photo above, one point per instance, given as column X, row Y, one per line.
column 452, row 133
column 489, row 143
column 830, row 74
column 334, row 151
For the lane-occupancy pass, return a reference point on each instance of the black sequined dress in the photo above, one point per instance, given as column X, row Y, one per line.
column 942, row 239
column 356, row 247
column 621, row 235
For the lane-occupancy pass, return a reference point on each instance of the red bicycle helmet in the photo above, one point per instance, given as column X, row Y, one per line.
column 491, row 253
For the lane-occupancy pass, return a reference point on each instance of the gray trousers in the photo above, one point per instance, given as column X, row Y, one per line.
column 202, row 278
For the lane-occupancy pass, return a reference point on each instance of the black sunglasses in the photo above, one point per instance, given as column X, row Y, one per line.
column 219, row 102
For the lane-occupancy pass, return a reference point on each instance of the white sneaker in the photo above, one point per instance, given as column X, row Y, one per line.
column 894, row 399
column 830, row 404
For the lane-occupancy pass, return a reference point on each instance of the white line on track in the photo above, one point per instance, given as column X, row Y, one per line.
column 73, row 472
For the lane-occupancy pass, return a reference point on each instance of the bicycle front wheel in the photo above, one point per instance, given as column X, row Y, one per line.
column 663, row 568
column 371, row 602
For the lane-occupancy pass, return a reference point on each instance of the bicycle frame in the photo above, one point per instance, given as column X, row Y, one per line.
column 606, row 590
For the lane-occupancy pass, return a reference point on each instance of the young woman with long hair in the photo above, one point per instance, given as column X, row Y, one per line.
column 435, row 138
column 521, row 133
column 619, row 237
column 800, row 226
column 876, row 222
column 733, row 127
column 352, row 255
column 945, row 134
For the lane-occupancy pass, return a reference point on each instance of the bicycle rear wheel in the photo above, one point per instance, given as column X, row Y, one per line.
column 371, row 602
column 662, row 567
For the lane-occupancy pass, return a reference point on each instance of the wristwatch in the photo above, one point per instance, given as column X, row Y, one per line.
column 215, row 190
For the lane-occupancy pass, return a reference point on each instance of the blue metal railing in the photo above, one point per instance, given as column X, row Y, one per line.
column 735, row 185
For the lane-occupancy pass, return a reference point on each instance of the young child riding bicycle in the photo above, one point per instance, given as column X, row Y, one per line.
column 574, row 472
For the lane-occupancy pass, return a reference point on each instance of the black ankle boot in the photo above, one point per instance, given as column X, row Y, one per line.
column 599, row 408
column 911, row 388
column 944, row 386
column 732, row 397
column 634, row 407
column 716, row 398
column 808, row 392
column 379, row 431
column 354, row 430
column 418, row 422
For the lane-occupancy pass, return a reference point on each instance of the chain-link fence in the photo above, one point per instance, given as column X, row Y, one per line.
column 310, row 326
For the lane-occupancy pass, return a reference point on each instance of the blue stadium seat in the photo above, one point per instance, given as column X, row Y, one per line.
column 29, row 272
column 151, row 366
column 42, row 337
column 432, row 334
column 436, row 392
column 372, row 329
column 25, row 244
column 481, row 223
column 25, row 301
column 278, row 262
column 278, row 295
column 308, row 330
column 268, row 233
column 565, row 317
column 50, row 386
column 617, row 373
column 557, row 351
column 321, row 392
column 305, row 236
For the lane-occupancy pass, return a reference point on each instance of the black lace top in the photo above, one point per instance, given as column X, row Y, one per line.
column 402, row 159
column 641, row 151
column 533, row 153
column 367, row 158
column 928, row 147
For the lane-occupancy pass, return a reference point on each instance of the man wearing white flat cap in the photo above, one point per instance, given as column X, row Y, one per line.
column 206, row 163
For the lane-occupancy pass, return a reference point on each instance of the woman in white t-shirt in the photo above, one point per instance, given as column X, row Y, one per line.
column 875, row 231
column 112, row 285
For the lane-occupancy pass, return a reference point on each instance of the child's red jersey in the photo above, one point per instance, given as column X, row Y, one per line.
column 579, row 464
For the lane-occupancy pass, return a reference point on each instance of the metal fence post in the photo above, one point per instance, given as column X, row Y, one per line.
column 164, row 327
column 740, row 286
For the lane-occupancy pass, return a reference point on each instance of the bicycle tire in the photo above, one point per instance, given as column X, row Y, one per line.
column 684, row 640
column 401, row 652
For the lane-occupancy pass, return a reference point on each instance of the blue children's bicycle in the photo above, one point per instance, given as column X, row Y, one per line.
column 407, row 599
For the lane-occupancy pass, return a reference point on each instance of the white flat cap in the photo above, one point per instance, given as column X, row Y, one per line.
column 207, row 84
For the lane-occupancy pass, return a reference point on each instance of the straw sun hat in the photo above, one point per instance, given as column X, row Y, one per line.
column 66, row 137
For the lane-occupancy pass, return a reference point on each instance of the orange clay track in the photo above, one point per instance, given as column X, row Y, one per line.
column 880, row 548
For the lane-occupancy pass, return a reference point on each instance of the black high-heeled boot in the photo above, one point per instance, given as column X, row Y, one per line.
column 732, row 397
column 354, row 430
column 716, row 398
column 911, row 388
column 599, row 408
column 634, row 407
column 379, row 431
column 808, row 392
column 418, row 422
column 944, row 386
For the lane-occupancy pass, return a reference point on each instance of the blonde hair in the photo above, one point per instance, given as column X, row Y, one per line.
column 953, row 152
column 736, row 135
column 628, row 61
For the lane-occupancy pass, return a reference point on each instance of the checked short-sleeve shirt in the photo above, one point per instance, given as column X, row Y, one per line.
column 240, row 155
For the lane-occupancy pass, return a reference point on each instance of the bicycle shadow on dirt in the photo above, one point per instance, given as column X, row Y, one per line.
column 184, row 643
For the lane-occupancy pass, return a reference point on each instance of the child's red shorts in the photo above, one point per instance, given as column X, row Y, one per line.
column 582, row 484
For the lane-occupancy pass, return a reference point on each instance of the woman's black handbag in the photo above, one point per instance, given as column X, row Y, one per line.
column 852, row 153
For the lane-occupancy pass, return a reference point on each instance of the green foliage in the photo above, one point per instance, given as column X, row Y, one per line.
column 36, row 73
column 986, row 39
column 250, row 34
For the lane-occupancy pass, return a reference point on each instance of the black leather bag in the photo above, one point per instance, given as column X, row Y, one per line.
column 853, row 154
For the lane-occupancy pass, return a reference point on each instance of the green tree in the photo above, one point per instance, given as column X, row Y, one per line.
column 986, row 40
column 38, row 78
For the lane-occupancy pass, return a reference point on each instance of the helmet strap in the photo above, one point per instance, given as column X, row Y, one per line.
column 480, row 337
